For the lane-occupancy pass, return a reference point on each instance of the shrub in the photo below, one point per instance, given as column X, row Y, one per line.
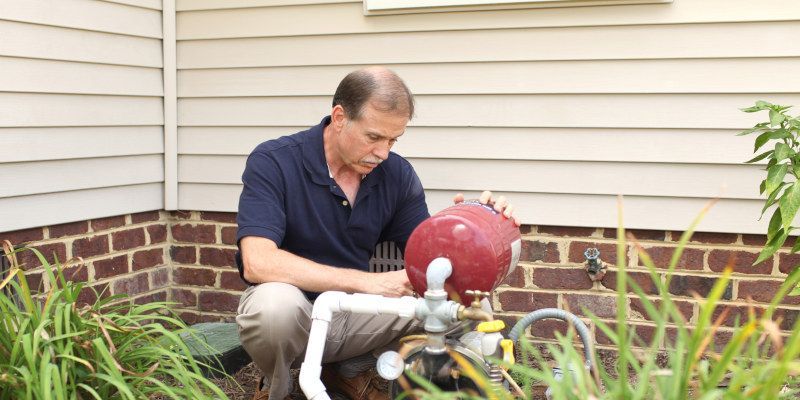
column 758, row 362
column 783, row 171
column 53, row 348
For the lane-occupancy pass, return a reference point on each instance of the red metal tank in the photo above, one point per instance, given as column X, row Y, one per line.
column 482, row 245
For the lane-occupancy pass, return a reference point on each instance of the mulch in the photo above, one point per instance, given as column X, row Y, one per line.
column 243, row 384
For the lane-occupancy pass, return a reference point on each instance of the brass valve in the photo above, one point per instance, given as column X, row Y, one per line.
column 478, row 296
column 475, row 311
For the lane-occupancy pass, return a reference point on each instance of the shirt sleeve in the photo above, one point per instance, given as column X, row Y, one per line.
column 261, row 205
column 411, row 209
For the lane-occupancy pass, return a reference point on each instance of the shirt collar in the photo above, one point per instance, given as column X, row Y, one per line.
column 314, row 154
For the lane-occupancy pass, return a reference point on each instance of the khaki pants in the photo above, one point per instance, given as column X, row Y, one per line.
column 274, row 320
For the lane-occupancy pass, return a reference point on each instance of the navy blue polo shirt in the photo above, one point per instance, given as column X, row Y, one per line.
column 290, row 198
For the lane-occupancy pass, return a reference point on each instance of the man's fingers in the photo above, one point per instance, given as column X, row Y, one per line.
column 500, row 204
column 509, row 211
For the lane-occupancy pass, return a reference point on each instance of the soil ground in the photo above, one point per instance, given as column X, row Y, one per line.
column 243, row 385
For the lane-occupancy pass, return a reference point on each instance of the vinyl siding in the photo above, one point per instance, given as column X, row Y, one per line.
column 81, row 110
column 561, row 109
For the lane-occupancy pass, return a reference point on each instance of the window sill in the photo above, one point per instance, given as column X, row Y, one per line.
column 384, row 7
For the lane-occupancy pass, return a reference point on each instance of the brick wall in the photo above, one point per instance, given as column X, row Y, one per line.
column 188, row 257
column 206, row 282
column 551, row 274
column 125, row 254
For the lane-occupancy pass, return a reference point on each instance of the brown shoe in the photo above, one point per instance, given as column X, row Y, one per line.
column 364, row 386
column 262, row 393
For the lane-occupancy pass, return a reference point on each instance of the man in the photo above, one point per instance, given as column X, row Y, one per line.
column 313, row 207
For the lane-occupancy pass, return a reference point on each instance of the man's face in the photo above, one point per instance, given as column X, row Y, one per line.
column 365, row 142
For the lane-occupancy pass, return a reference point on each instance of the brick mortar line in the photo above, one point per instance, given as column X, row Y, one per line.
column 110, row 253
column 149, row 292
column 638, row 268
column 102, row 257
column 707, row 274
column 192, row 289
column 194, row 266
column 132, row 298
column 147, row 238
column 207, row 245
column 206, row 288
column 124, row 275
column 195, row 310
column 221, row 314
column 168, row 259
column 217, row 223
column 69, row 240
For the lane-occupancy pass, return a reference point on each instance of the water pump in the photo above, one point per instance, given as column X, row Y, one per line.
column 455, row 258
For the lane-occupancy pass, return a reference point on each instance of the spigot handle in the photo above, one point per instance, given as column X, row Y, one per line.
column 479, row 295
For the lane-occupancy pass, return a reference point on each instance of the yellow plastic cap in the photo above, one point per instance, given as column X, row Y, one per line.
column 491, row 326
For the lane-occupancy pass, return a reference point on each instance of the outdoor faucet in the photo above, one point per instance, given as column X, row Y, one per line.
column 594, row 265
column 475, row 312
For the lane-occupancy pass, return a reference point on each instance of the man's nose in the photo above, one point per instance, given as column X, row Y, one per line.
column 382, row 150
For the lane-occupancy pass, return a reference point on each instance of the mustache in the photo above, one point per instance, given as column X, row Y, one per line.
column 372, row 160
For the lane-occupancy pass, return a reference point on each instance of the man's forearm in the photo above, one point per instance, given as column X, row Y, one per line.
column 282, row 266
column 265, row 262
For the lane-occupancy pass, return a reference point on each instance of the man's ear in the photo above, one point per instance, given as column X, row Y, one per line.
column 338, row 117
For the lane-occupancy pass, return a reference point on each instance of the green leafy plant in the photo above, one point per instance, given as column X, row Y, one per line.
column 757, row 362
column 52, row 348
column 783, row 171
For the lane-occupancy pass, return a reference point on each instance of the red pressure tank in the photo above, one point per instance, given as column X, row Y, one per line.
column 482, row 245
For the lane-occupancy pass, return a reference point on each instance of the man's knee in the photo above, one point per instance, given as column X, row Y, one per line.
column 274, row 310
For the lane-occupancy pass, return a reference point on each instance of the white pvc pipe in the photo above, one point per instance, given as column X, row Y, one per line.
column 311, row 370
column 328, row 303
column 438, row 271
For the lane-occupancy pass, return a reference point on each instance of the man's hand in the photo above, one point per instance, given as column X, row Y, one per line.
column 390, row 284
column 265, row 262
column 500, row 204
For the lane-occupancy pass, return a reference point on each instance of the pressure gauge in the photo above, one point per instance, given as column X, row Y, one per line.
column 390, row 365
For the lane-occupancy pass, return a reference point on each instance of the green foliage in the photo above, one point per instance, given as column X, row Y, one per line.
column 783, row 171
column 757, row 362
column 52, row 348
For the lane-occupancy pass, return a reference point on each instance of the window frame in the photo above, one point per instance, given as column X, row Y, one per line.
column 384, row 7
